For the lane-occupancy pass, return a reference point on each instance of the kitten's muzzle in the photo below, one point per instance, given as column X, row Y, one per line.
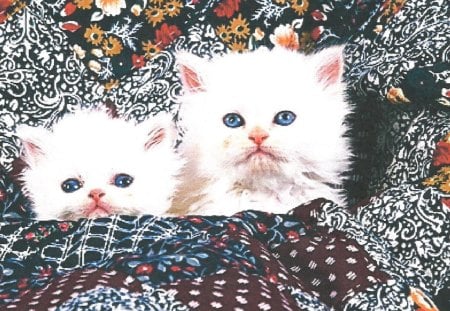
column 96, row 194
column 258, row 135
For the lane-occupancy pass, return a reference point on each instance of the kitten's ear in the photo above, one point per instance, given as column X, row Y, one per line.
column 32, row 139
column 330, row 65
column 160, row 130
column 189, row 67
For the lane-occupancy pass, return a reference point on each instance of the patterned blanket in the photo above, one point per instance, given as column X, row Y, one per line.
column 389, row 252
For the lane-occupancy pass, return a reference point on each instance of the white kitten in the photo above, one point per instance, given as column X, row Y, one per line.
column 264, row 130
column 92, row 165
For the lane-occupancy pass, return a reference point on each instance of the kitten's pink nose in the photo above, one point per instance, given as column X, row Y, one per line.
column 96, row 194
column 258, row 135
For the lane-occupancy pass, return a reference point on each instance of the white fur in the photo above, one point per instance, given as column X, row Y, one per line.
column 94, row 147
column 312, row 152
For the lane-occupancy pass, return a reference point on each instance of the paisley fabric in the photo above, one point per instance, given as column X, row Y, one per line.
column 389, row 252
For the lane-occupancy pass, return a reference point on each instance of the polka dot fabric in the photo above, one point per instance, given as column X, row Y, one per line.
column 330, row 265
column 70, row 286
column 233, row 290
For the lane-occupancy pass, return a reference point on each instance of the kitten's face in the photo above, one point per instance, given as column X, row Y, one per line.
column 261, row 113
column 92, row 166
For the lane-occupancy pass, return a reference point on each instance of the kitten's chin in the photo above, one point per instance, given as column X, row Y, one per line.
column 90, row 210
column 99, row 209
column 260, row 161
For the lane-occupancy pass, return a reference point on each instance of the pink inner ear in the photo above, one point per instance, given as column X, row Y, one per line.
column 190, row 79
column 32, row 151
column 155, row 137
column 330, row 72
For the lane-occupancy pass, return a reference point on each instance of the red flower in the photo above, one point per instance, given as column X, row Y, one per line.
column 30, row 236
column 232, row 227
column 190, row 269
column 175, row 268
column 138, row 61
column 441, row 155
column 293, row 235
column 261, row 227
column 68, row 9
column 4, row 4
column 196, row 220
column 446, row 202
column 70, row 26
column 272, row 278
column 4, row 296
column 220, row 244
column 166, row 34
column 227, row 8
column 23, row 283
column 316, row 32
column 247, row 264
column 144, row 269
column 45, row 272
column 63, row 226
column 318, row 16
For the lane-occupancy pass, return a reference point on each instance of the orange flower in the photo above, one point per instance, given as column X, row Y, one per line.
column 238, row 46
column 94, row 34
column 421, row 301
column 224, row 33
column 150, row 49
column 173, row 8
column 285, row 36
column 83, row 4
column 166, row 34
column 445, row 171
column 300, row 6
column 111, row 7
column 431, row 181
column 112, row 46
column 239, row 27
column 445, row 187
column 111, row 84
column 392, row 7
column 154, row 15
column 157, row 2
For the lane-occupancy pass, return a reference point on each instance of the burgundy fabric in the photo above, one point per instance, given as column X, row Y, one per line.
column 70, row 285
column 232, row 290
column 330, row 265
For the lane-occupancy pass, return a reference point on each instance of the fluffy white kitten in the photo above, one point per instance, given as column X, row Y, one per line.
column 264, row 130
column 92, row 165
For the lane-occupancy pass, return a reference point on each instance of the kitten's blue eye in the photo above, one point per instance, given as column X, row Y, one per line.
column 71, row 185
column 284, row 118
column 233, row 120
column 123, row 180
